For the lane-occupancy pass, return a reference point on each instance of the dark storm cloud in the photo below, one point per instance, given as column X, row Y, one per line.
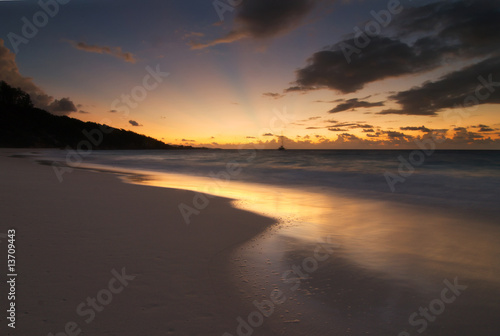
column 473, row 85
column 470, row 28
column 354, row 103
column 382, row 58
column 263, row 19
column 438, row 32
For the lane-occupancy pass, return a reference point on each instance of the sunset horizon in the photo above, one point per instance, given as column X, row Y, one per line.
column 221, row 76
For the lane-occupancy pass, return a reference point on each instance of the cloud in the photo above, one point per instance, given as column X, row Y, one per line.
column 466, row 137
column 263, row 19
column 113, row 51
column 382, row 58
column 188, row 140
column 484, row 128
column 9, row 72
column 190, row 34
column 361, row 126
column 330, row 101
column 134, row 123
column 63, row 105
column 346, row 137
column 354, row 103
column 83, row 112
column 336, row 129
column 229, row 38
column 468, row 30
column 309, row 119
column 393, row 134
column 337, row 124
column 273, row 95
column 378, row 140
column 267, row 134
column 413, row 128
column 426, row 37
column 455, row 89
column 368, row 130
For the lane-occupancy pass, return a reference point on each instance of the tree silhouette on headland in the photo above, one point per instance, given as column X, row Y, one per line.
column 24, row 126
column 10, row 97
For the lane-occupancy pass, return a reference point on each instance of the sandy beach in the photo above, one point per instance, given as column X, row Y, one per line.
column 73, row 237
column 97, row 256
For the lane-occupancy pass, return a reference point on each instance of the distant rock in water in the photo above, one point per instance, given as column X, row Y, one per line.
column 24, row 126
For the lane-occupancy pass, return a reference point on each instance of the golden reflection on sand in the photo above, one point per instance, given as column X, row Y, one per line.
column 411, row 243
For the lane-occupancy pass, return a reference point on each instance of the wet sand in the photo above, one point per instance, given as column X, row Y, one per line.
column 333, row 264
column 74, row 237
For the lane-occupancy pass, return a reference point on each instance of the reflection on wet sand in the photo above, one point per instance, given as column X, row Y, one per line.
column 388, row 259
column 400, row 240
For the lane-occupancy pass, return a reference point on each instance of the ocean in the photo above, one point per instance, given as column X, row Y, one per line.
column 471, row 178
column 403, row 222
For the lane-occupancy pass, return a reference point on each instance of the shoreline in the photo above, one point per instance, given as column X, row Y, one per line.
column 380, row 271
column 410, row 193
column 73, row 236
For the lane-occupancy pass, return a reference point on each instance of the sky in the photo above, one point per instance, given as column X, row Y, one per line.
column 231, row 73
